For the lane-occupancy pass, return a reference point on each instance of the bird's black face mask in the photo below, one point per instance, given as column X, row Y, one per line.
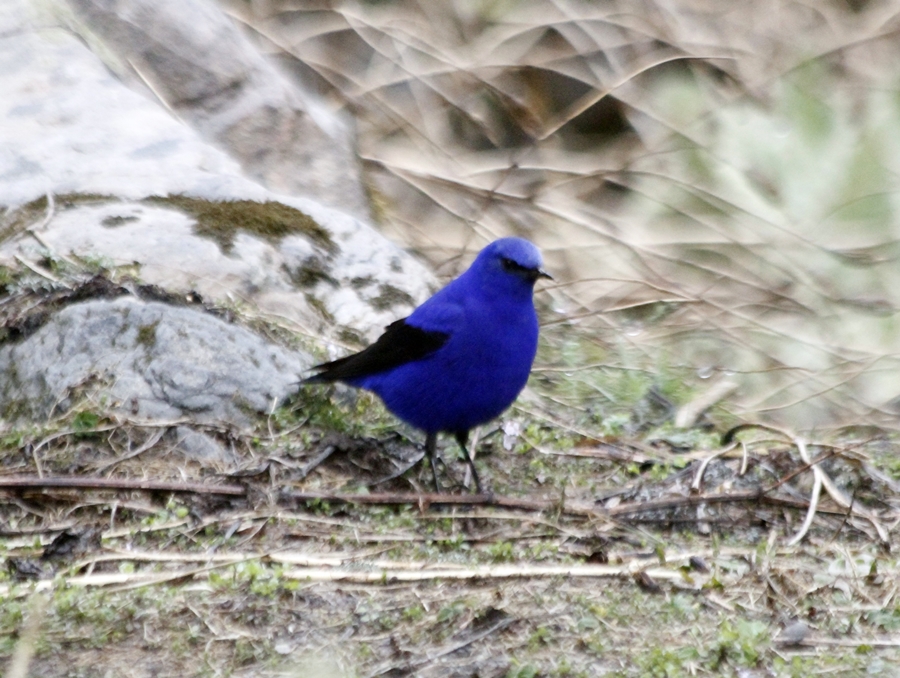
column 532, row 274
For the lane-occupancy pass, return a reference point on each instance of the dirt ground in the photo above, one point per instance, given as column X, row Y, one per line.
column 590, row 558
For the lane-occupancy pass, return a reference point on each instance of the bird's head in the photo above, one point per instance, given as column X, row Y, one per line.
column 510, row 264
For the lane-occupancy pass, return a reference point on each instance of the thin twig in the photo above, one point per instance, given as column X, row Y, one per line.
column 29, row 636
column 424, row 500
column 802, row 469
column 34, row 482
column 41, row 271
column 48, row 217
column 380, row 572
column 477, row 572
column 67, row 432
column 311, row 466
column 150, row 442
column 698, row 476
column 757, row 496
column 818, row 473
column 843, row 501
column 846, row 642
column 689, row 413
column 422, row 663
column 399, row 472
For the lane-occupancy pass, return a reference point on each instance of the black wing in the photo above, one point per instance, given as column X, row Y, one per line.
column 400, row 344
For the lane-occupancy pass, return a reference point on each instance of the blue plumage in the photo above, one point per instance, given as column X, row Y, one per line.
column 461, row 358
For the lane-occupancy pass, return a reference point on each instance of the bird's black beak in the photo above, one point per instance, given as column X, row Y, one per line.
column 541, row 273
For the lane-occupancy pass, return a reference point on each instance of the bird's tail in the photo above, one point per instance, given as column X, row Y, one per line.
column 316, row 379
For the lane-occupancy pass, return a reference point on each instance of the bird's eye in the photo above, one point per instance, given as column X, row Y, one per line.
column 510, row 265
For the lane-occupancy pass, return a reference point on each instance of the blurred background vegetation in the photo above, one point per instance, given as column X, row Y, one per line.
column 714, row 184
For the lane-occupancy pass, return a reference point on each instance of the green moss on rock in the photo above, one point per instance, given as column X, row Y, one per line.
column 272, row 221
column 310, row 274
column 390, row 296
column 113, row 222
column 146, row 335
column 319, row 306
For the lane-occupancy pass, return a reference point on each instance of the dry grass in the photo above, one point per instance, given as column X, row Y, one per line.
column 714, row 185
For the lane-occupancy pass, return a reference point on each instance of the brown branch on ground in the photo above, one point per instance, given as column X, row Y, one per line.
column 623, row 512
column 435, row 499
column 36, row 482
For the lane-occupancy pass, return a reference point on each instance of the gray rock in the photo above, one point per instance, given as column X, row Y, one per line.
column 793, row 634
column 151, row 360
column 199, row 446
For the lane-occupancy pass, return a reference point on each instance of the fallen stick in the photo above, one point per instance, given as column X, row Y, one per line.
column 36, row 482
column 441, row 499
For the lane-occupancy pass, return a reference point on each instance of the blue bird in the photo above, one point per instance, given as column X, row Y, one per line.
column 461, row 358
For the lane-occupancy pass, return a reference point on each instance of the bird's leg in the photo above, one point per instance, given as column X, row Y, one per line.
column 462, row 437
column 431, row 452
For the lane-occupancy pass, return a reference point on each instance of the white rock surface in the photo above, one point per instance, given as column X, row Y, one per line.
column 197, row 62
column 71, row 127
